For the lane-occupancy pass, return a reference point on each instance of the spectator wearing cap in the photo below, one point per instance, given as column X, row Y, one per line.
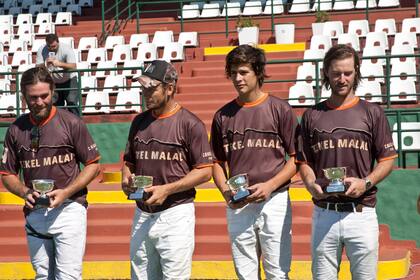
column 59, row 57
column 169, row 144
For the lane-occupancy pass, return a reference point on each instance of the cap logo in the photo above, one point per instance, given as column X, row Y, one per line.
column 150, row 68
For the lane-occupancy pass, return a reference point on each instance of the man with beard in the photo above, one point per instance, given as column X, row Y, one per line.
column 50, row 143
column 350, row 134
column 170, row 144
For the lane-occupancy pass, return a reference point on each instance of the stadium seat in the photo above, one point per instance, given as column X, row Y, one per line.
column 121, row 53
column 36, row 44
column 306, row 73
column 377, row 39
column 23, row 19
column 23, row 67
column 68, row 41
column 363, row 4
column 410, row 140
column 6, row 39
column 349, row 39
column 325, row 93
column 46, row 28
column 85, row 43
column 3, row 59
column 64, row 3
column 4, row 86
column 87, row 84
column 83, row 65
column 252, row 8
column 324, row 5
column 96, row 102
column 147, row 52
column 43, row 18
column 301, row 95
column 406, row 38
column 27, row 28
column 114, row 84
column 6, row 20
column 333, row 29
column 190, row 11
column 5, row 69
column 36, row 9
column 403, row 70
column 15, row 11
column 75, row 9
column 127, row 101
column 411, row 25
column 274, row 7
column 320, row 42
column 104, row 65
column 375, row 51
column 386, row 25
column 6, row 30
column 137, row 39
column 314, row 54
column 173, row 52
column 54, row 10
column 403, row 91
column 47, row 3
column 300, row 6
column 112, row 41
column 8, row 4
column 26, row 4
column 132, row 63
column 188, row 39
column 403, row 50
column 284, row 33
column 388, row 3
column 96, row 55
column 64, row 18
column 358, row 27
column 372, row 71
column 232, row 9
column 210, row 10
column 369, row 91
column 18, row 45
column 86, row 3
column 161, row 38
column 8, row 104
column 21, row 57
column 343, row 5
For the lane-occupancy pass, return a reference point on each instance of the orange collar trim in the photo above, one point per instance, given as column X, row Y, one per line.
column 44, row 122
column 168, row 114
column 260, row 100
column 344, row 107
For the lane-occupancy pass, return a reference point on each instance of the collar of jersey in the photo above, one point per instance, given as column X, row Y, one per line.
column 44, row 122
column 344, row 107
column 260, row 100
column 170, row 113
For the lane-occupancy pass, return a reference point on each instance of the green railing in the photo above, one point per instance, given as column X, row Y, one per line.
column 137, row 9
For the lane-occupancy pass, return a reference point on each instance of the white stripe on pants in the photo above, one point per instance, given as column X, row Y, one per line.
column 162, row 243
column 262, row 229
column 358, row 232
column 60, row 257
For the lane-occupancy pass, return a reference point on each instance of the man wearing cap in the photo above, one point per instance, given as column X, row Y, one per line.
column 170, row 144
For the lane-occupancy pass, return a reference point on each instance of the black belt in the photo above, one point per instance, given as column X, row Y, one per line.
column 32, row 232
column 340, row 207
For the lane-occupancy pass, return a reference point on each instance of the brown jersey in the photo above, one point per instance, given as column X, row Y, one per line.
column 254, row 138
column 64, row 143
column 351, row 136
column 168, row 148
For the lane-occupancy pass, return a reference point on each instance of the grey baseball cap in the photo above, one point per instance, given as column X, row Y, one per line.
column 157, row 70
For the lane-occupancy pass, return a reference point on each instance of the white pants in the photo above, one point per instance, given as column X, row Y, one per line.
column 61, row 256
column 262, row 229
column 162, row 244
column 357, row 231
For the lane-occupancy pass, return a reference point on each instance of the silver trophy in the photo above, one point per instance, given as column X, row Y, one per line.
column 336, row 176
column 239, row 186
column 43, row 186
column 140, row 183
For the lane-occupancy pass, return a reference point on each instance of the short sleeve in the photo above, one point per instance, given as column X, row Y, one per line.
column 128, row 153
column 70, row 56
column 200, row 154
column 9, row 162
column 382, row 138
column 302, row 141
column 86, row 149
column 287, row 128
column 216, row 139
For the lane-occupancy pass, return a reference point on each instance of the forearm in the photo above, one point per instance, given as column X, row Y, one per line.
column 14, row 185
column 83, row 179
column 127, row 171
column 307, row 174
column 285, row 174
column 67, row 66
column 381, row 171
column 219, row 177
column 193, row 178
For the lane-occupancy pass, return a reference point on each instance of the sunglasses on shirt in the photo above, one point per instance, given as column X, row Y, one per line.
column 35, row 135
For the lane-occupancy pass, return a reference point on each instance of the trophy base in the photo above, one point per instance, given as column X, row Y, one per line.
column 136, row 195
column 240, row 196
column 43, row 201
column 335, row 188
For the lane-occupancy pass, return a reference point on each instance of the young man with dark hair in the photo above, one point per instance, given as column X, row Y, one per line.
column 170, row 144
column 344, row 135
column 251, row 135
column 50, row 143
column 59, row 57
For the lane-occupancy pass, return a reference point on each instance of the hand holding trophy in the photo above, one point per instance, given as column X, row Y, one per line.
column 140, row 183
column 43, row 186
column 336, row 176
column 239, row 186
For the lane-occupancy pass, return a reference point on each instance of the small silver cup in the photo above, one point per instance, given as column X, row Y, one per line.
column 239, row 186
column 336, row 176
column 140, row 183
column 43, row 186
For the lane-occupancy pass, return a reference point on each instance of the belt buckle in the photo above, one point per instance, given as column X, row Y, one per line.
column 336, row 207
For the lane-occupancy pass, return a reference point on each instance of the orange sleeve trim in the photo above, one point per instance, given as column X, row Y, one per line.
column 218, row 161
column 292, row 155
column 301, row 162
column 387, row 158
column 93, row 160
column 204, row 165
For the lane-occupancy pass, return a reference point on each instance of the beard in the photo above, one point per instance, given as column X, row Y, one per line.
column 40, row 114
